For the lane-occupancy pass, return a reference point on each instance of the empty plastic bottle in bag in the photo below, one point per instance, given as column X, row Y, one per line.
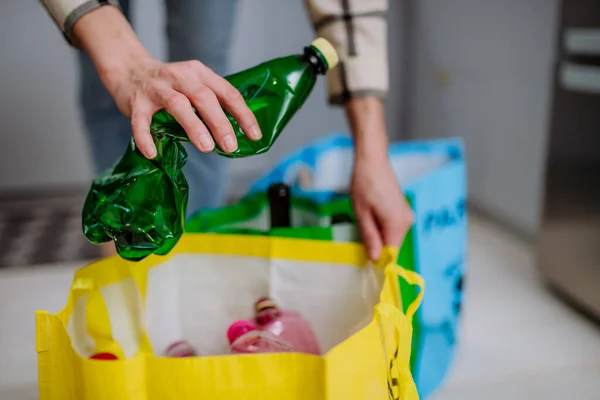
column 288, row 325
column 140, row 204
column 181, row 348
column 245, row 338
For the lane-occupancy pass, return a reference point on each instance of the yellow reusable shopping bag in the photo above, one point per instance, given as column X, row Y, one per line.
column 134, row 310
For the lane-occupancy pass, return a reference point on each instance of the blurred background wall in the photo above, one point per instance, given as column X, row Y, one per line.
column 477, row 69
column 482, row 70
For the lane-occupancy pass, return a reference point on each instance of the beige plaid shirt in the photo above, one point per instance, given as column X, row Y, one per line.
column 358, row 31
column 356, row 28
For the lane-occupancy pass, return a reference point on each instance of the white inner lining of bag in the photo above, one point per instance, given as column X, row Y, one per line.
column 197, row 296
column 333, row 170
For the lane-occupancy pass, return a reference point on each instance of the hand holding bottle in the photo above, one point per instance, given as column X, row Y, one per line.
column 142, row 85
column 140, row 204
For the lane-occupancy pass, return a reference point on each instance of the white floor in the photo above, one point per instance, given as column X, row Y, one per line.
column 519, row 341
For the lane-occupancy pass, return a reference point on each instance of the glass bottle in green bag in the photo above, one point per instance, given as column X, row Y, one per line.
column 141, row 204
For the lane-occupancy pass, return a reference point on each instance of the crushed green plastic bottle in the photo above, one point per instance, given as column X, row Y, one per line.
column 140, row 204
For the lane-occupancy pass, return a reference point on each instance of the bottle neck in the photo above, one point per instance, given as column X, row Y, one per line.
column 342, row 218
column 316, row 60
column 280, row 205
column 266, row 311
column 267, row 315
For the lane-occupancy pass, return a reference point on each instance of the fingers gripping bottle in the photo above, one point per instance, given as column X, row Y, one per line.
column 245, row 338
column 288, row 325
column 140, row 204
column 274, row 91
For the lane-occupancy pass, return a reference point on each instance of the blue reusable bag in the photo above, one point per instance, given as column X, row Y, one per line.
column 433, row 177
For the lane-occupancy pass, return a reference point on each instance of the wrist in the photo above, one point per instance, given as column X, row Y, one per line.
column 112, row 45
column 367, row 124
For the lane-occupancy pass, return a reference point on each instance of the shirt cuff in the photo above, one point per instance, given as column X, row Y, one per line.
column 363, row 69
column 67, row 12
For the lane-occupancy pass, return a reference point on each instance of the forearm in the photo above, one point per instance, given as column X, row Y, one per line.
column 367, row 124
column 100, row 28
column 109, row 40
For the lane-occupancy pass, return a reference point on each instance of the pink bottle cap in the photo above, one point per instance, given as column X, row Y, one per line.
column 239, row 328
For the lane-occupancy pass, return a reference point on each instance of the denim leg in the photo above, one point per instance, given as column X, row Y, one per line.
column 202, row 30
column 107, row 130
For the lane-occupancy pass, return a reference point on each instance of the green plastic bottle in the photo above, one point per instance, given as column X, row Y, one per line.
column 273, row 91
column 140, row 204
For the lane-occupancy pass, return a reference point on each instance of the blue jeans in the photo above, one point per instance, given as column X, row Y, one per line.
column 196, row 30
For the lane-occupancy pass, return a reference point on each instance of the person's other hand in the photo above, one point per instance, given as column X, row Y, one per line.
column 381, row 209
column 383, row 214
column 142, row 85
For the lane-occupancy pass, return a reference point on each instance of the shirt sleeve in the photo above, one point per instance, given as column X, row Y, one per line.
column 67, row 12
column 358, row 31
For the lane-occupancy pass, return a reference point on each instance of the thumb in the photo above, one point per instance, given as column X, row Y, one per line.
column 370, row 234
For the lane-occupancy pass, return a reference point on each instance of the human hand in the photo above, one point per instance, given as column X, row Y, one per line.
column 384, row 216
column 382, row 212
column 142, row 85
column 148, row 86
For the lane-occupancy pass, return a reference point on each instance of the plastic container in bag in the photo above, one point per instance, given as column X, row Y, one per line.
column 288, row 325
column 245, row 338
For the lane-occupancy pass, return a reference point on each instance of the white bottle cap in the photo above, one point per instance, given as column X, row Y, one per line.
column 328, row 51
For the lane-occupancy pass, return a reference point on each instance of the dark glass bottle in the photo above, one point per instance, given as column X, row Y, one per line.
column 141, row 204
column 280, row 205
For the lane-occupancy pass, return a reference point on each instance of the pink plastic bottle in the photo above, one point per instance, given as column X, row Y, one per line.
column 181, row 348
column 245, row 338
column 288, row 325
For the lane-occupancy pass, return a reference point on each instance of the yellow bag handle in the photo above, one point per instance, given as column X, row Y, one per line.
column 388, row 262
column 140, row 277
column 99, row 327
column 412, row 278
column 400, row 382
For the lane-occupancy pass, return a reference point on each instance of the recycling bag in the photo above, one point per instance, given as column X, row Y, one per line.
column 433, row 176
column 135, row 310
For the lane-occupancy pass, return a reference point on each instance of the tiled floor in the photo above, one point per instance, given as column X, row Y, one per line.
column 43, row 231
column 519, row 341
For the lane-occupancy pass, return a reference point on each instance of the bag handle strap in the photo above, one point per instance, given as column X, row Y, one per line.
column 100, row 329
column 412, row 278
column 388, row 262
